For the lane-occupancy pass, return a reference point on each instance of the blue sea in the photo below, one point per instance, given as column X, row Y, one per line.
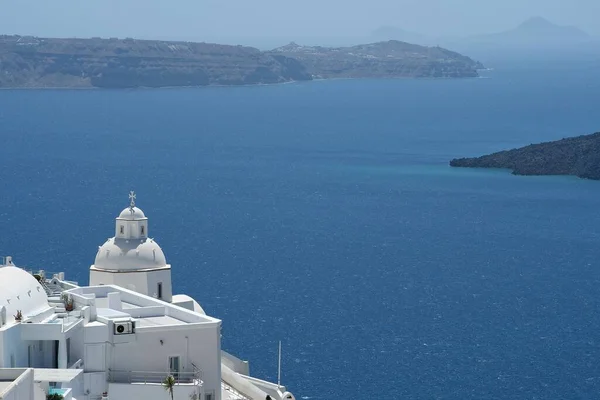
column 325, row 215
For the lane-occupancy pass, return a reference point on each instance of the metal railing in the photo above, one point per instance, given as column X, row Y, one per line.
column 197, row 372
column 77, row 364
column 154, row 377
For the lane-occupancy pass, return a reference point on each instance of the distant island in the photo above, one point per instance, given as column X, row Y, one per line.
column 32, row 62
column 535, row 31
column 389, row 59
column 532, row 33
column 578, row 156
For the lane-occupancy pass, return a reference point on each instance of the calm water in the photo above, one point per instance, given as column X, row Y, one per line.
column 324, row 214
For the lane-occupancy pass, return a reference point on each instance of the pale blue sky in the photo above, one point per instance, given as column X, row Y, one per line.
column 281, row 20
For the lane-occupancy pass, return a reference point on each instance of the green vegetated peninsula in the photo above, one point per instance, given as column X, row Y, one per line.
column 32, row 62
column 578, row 156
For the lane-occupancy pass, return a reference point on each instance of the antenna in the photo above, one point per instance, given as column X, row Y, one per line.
column 279, row 367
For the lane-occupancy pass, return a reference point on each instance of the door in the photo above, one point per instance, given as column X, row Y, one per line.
column 95, row 384
column 55, row 354
column 174, row 366
column 95, row 357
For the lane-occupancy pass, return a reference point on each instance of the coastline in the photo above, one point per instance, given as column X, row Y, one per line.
column 83, row 88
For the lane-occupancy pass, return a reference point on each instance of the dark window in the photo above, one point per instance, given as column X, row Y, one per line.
column 159, row 294
column 122, row 230
column 142, row 230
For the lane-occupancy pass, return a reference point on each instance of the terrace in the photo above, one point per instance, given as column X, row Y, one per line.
column 113, row 302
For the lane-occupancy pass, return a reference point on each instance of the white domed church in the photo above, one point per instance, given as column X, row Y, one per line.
column 131, row 259
column 119, row 337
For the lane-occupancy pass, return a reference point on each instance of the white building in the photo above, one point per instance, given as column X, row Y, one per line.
column 118, row 338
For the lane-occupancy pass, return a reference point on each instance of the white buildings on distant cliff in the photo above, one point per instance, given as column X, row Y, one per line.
column 118, row 338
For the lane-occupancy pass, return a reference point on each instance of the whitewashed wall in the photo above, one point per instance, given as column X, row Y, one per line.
column 234, row 363
column 141, row 282
column 21, row 388
column 202, row 347
column 13, row 345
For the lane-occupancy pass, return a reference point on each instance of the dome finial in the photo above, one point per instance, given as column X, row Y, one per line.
column 132, row 200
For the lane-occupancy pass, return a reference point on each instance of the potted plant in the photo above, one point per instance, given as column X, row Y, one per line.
column 19, row 316
column 68, row 302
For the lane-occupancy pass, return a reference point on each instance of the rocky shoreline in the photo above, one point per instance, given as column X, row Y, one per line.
column 578, row 156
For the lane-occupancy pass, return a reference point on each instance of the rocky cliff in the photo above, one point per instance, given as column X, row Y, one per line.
column 579, row 156
column 114, row 63
column 391, row 59
column 39, row 62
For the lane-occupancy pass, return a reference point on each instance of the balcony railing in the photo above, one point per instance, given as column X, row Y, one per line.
column 152, row 377
column 77, row 364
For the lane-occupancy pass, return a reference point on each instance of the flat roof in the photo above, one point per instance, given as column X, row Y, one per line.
column 103, row 303
column 136, row 305
column 95, row 323
column 55, row 375
column 110, row 313
column 163, row 320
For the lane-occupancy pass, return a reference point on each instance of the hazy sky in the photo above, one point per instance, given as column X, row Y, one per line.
column 231, row 20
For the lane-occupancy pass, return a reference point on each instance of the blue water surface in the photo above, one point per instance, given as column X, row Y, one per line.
column 325, row 215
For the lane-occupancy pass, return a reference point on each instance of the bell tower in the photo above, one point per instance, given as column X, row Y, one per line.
column 131, row 259
column 131, row 224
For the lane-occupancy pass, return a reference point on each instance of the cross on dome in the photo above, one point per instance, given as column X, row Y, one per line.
column 132, row 212
column 132, row 198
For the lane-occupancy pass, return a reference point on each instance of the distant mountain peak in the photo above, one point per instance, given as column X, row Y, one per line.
column 540, row 25
column 387, row 32
column 536, row 23
column 535, row 32
column 291, row 47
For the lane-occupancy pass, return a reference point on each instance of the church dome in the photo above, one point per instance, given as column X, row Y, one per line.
column 20, row 291
column 132, row 213
column 130, row 255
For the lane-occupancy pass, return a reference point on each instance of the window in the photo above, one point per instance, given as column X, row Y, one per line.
column 68, row 343
column 208, row 396
column 159, row 290
column 122, row 230
column 143, row 230
column 174, row 366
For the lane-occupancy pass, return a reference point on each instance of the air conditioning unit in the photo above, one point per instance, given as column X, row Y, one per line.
column 124, row 328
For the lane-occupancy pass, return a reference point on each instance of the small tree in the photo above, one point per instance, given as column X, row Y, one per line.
column 169, row 384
